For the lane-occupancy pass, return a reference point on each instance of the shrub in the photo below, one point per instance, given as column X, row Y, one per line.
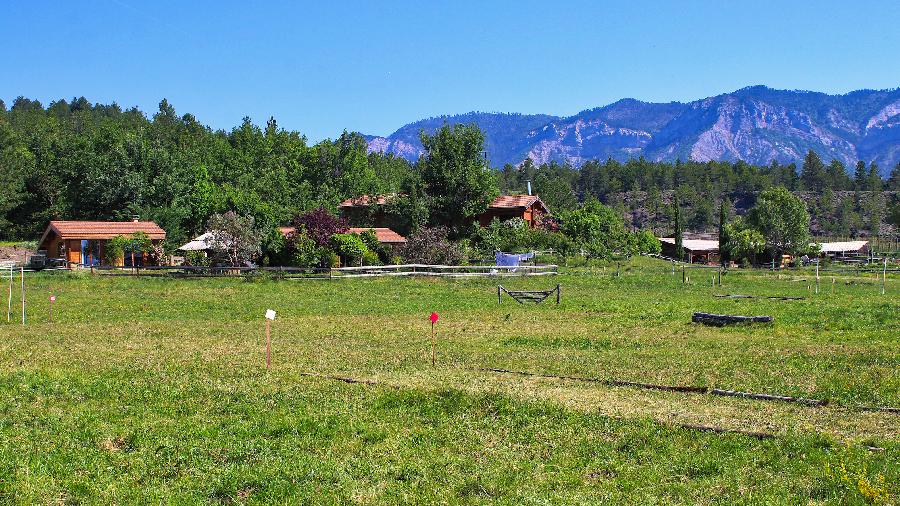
column 645, row 242
column 196, row 258
column 303, row 250
column 320, row 225
column 350, row 247
column 597, row 229
column 371, row 258
column 115, row 250
column 234, row 238
column 431, row 246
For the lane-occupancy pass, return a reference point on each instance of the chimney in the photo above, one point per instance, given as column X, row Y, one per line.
column 135, row 218
column 529, row 187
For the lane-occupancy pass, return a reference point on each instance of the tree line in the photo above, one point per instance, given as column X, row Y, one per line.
column 78, row 160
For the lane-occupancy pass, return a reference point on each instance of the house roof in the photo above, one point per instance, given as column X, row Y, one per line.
column 694, row 244
column 842, row 247
column 383, row 234
column 517, row 202
column 101, row 229
column 366, row 200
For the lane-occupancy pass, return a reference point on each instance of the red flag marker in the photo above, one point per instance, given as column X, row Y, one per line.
column 434, row 318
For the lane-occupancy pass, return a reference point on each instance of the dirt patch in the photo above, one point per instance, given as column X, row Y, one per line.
column 17, row 254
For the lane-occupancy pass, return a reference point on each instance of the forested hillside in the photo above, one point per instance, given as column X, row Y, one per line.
column 78, row 160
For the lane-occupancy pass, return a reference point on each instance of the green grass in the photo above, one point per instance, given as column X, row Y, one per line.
column 154, row 390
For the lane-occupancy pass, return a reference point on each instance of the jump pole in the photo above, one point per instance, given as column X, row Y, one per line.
column 884, row 275
column 9, row 306
column 23, row 295
column 817, row 277
column 270, row 315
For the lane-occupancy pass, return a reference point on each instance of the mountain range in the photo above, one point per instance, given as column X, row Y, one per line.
column 756, row 124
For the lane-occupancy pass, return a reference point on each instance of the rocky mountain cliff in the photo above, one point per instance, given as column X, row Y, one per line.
column 756, row 124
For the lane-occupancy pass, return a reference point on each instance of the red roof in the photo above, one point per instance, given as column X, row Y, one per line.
column 366, row 200
column 102, row 229
column 516, row 202
column 383, row 234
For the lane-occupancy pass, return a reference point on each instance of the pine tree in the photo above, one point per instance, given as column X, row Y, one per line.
column 859, row 176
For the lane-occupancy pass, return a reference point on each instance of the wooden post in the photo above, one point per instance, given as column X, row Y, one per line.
column 884, row 275
column 673, row 267
column 499, row 298
column 817, row 277
column 683, row 275
column 557, row 293
column 52, row 298
column 720, row 276
column 268, row 343
column 432, row 344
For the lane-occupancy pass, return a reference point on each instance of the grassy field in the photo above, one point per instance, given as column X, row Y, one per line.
column 155, row 390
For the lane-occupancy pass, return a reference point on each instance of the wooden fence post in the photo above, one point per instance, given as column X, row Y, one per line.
column 557, row 293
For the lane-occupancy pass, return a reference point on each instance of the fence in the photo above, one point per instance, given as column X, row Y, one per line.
column 334, row 273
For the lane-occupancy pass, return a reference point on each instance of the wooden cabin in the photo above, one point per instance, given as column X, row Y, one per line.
column 506, row 207
column 84, row 242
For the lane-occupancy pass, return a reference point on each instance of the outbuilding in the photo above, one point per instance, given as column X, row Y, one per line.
column 506, row 207
column 844, row 248
column 84, row 242
column 695, row 250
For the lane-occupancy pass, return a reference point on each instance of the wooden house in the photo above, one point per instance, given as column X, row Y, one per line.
column 506, row 207
column 84, row 242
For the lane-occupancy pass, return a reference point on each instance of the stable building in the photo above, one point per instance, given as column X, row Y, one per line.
column 844, row 249
column 83, row 243
column 695, row 250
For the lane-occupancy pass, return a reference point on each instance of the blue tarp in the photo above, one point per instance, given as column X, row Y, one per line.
column 511, row 259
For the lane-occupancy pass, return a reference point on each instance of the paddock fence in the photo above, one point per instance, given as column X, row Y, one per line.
column 447, row 271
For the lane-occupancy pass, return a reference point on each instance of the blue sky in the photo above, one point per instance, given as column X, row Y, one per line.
column 322, row 67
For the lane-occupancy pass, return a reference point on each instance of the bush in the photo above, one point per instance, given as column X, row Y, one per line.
column 431, row 246
column 350, row 247
column 645, row 242
column 303, row 251
column 195, row 258
column 596, row 229
column 371, row 258
column 320, row 225
column 115, row 250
